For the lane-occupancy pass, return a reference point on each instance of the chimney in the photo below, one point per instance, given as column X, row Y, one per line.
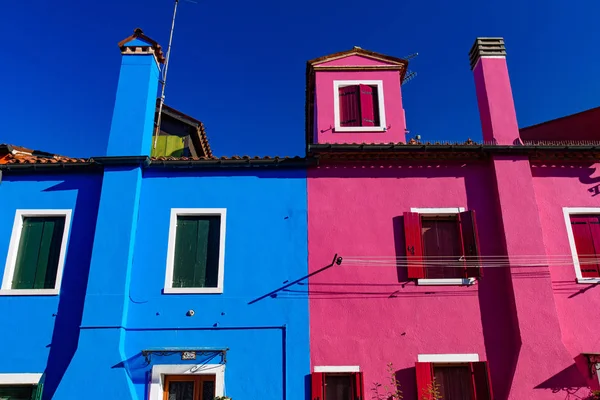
column 135, row 105
column 494, row 95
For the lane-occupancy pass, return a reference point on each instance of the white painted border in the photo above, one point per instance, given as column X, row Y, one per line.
column 336, row 107
column 11, row 259
column 567, row 212
column 336, row 368
column 448, row 358
column 450, row 281
column 20, row 379
column 175, row 212
column 159, row 371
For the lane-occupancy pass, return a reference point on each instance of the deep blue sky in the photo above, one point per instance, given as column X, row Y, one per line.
column 239, row 65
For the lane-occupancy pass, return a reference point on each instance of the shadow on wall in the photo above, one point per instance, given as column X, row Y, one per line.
column 583, row 172
column 65, row 336
column 569, row 381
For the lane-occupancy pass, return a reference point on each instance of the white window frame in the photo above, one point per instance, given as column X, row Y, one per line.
column 448, row 358
column 445, row 211
column 176, row 212
column 568, row 211
column 336, row 107
column 32, row 379
column 157, row 383
column 337, row 368
column 13, row 249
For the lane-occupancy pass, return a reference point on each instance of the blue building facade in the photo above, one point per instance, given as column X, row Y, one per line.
column 166, row 266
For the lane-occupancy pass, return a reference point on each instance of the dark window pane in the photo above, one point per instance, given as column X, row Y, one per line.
column 181, row 390
column 208, row 390
column 442, row 248
column 38, row 254
column 454, row 382
column 17, row 392
column 197, row 251
column 338, row 387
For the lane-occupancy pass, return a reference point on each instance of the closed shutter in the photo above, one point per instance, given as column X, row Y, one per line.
column 482, row 387
column 584, row 233
column 414, row 245
column 349, row 106
column 317, row 386
column 424, row 380
column 470, row 242
column 359, row 385
column 369, row 111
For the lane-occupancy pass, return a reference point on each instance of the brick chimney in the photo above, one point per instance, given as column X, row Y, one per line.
column 494, row 94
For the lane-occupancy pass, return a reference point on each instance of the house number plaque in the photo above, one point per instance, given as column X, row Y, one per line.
column 188, row 355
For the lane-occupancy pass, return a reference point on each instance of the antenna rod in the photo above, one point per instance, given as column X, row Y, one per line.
column 164, row 77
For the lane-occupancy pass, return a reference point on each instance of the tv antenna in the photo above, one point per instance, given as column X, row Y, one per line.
column 165, row 69
column 410, row 75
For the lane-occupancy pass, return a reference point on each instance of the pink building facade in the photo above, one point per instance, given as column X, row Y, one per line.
column 471, row 268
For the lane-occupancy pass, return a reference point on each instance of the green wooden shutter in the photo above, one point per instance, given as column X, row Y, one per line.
column 38, row 254
column 185, row 252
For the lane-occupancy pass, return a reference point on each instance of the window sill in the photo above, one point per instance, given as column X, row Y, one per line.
column 359, row 129
column 216, row 290
column 591, row 281
column 29, row 292
column 446, row 282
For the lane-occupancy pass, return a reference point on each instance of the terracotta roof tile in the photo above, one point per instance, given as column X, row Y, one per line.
column 10, row 154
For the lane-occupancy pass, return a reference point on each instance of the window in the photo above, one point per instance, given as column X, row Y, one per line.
column 586, row 235
column 337, row 386
column 37, row 252
column 189, row 387
column 196, row 247
column 359, row 106
column 454, row 380
column 18, row 392
column 442, row 246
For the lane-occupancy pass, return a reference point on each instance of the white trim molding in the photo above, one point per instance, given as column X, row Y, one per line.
column 159, row 372
column 13, row 249
column 442, row 211
column 176, row 212
column 336, row 368
column 20, row 379
column 336, row 107
column 567, row 212
column 448, row 358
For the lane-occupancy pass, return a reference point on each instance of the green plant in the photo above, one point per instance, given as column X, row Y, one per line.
column 389, row 391
column 432, row 392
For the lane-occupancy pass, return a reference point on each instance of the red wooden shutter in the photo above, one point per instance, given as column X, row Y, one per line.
column 349, row 106
column 482, row 387
column 414, row 245
column 594, row 224
column 360, row 386
column 368, row 113
column 470, row 240
column 586, row 239
column 424, row 380
column 317, row 386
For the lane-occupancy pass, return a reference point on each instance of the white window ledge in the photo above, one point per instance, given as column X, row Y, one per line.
column 592, row 281
column 337, row 368
column 446, row 282
column 20, row 379
column 29, row 292
column 439, row 358
column 360, row 129
column 215, row 290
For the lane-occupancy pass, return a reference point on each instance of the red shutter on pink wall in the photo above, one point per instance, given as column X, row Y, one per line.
column 360, row 385
column 414, row 245
column 369, row 111
column 594, row 224
column 482, row 386
column 424, row 380
column 470, row 240
column 349, row 106
column 317, row 386
column 585, row 233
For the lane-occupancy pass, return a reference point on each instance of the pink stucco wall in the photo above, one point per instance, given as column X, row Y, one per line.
column 324, row 98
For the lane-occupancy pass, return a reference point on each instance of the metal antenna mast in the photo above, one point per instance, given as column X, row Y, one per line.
column 164, row 78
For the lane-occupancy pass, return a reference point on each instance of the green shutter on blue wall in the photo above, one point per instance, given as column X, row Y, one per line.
column 197, row 242
column 38, row 254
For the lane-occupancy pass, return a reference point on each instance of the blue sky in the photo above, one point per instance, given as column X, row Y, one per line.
column 239, row 66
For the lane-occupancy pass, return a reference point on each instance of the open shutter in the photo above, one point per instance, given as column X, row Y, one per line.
column 424, row 380
column 349, row 106
column 359, row 385
column 414, row 245
column 317, row 386
column 470, row 241
column 584, row 243
column 482, row 387
column 594, row 224
column 368, row 111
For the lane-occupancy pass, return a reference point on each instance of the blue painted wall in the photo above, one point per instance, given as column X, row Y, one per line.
column 39, row 333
